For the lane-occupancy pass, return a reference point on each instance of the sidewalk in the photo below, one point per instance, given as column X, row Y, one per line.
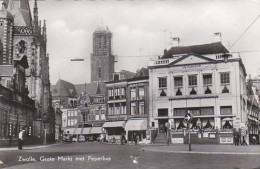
column 205, row 149
column 29, row 147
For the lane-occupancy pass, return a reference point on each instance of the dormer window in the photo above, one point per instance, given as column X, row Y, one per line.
column 116, row 77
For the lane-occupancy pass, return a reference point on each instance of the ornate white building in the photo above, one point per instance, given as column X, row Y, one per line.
column 203, row 80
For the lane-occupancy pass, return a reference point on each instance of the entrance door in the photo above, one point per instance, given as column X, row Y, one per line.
column 161, row 123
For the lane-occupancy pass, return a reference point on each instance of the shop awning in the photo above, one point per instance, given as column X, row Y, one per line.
column 227, row 119
column 86, row 130
column 136, row 125
column 69, row 131
column 114, row 124
column 96, row 130
column 78, row 131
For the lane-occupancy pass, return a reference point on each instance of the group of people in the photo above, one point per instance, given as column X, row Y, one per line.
column 124, row 141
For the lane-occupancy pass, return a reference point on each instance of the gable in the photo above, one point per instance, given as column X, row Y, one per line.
column 191, row 59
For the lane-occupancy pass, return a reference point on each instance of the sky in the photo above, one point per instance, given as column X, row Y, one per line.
column 138, row 30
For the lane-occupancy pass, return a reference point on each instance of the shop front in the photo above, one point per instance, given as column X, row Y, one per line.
column 114, row 130
column 203, row 131
column 137, row 126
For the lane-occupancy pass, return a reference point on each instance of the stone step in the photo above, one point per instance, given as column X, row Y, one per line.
column 161, row 138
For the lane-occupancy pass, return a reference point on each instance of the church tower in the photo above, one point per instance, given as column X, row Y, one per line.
column 102, row 60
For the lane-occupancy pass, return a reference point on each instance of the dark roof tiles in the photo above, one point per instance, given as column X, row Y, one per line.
column 203, row 49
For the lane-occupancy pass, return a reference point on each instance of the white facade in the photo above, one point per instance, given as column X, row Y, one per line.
column 188, row 77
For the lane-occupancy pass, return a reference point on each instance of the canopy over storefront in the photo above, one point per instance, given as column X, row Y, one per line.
column 136, row 125
column 96, row 130
column 86, row 130
column 114, row 124
column 69, row 131
column 78, row 131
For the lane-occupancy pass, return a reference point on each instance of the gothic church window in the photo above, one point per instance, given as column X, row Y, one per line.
column 99, row 72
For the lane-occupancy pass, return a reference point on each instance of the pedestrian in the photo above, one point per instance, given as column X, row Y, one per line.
column 135, row 138
column 122, row 139
column 20, row 140
column 101, row 138
column 244, row 141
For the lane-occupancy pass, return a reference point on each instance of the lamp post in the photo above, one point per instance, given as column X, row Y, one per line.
column 44, row 118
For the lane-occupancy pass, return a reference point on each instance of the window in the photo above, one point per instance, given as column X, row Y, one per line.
column 99, row 72
column 141, row 108
column 117, row 93
column 133, row 92
column 141, row 91
column 162, row 82
column 162, row 112
column 110, row 109
column 207, row 79
column 178, row 82
column 123, row 92
column 225, row 110
column 133, row 108
column 117, row 109
column 193, row 80
column 123, row 108
column 224, row 78
column 110, row 93
column 116, row 77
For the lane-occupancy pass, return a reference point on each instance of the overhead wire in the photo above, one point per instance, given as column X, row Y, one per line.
column 244, row 31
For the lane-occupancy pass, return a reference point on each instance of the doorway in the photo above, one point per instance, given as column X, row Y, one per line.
column 161, row 123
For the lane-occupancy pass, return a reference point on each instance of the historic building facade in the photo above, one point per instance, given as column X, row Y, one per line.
column 204, row 81
column 23, row 35
column 127, row 105
column 17, row 110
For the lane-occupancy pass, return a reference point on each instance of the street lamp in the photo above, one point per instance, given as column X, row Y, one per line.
column 44, row 118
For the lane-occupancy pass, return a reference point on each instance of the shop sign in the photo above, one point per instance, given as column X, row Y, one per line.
column 237, row 123
column 177, row 140
column 205, row 134
column 212, row 135
column 226, row 140
column 116, row 118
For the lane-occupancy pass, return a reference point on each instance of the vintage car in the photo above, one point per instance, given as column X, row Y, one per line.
column 67, row 138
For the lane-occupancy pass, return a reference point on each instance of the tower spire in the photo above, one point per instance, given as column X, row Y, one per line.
column 44, row 30
column 35, row 14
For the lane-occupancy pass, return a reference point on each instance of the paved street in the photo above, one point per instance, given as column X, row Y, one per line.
column 96, row 156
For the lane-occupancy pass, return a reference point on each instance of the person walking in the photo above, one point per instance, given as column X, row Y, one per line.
column 135, row 138
column 244, row 141
column 20, row 140
column 122, row 139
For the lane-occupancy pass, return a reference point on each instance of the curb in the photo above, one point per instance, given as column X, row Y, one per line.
column 202, row 152
column 29, row 148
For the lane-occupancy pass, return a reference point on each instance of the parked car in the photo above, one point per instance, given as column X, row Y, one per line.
column 82, row 138
column 74, row 139
column 67, row 138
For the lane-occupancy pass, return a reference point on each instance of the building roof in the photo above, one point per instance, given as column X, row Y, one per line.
column 126, row 74
column 64, row 88
column 91, row 88
column 203, row 49
column 20, row 9
column 141, row 73
column 5, row 14
column 102, row 29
